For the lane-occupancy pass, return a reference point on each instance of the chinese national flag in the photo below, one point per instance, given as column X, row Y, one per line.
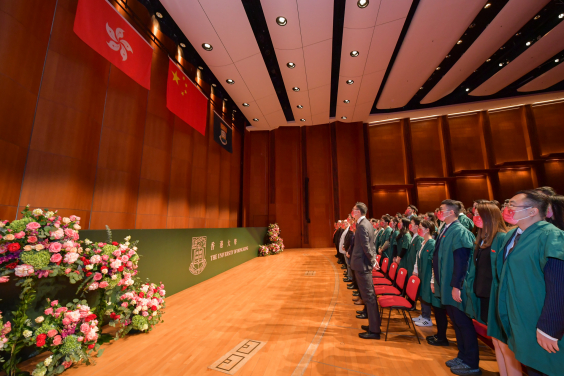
column 185, row 100
column 101, row 27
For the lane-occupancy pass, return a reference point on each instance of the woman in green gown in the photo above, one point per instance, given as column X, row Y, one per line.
column 393, row 240
column 423, row 268
column 407, row 261
column 402, row 240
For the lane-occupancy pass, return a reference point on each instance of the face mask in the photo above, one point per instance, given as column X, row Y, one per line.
column 549, row 212
column 508, row 215
column 374, row 225
column 474, row 211
column 382, row 224
column 426, row 218
column 442, row 216
column 478, row 221
column 412, row 227
column 400, row 226
column 420, row 232
column 406, row 212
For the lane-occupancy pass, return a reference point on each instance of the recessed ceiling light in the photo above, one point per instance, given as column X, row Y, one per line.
column 350, row 82
column 487, row 5
column 200, row 67
column 459, row 41
column 282, row 21
column 537, row 17
column 159, row 14
column 291, row 65
column 421, row 88
column 347, row 101
column 362, row 3
column 447, row 56
column 467, row 89
column 214, row 85
column 230, row 81
column 255, row 119
column 354, row 53
column 344, row 117
column 438, row 68
column 225, row 99
column 302, row 119
column 299, row 106
column 207, row 46
column 295, row 88
column 246, row 104
column 561, row 15
column 528, row 43
column 556, row 60
column 472, row 26
column 487, row 61
column 182, row 45
column 501, row 64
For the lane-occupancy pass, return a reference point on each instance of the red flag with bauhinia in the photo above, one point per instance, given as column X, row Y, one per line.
column 101, row 27
column 185, row 100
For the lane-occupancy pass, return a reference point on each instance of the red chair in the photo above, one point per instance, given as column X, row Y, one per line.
column 406, row 304
column 383, row 269
column 386, row 281
column 391, row 290
column 376, row 273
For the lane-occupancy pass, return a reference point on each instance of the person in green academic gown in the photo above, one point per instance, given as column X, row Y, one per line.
column 407, row 261
column 383, row 242
column 531, row 285
column 464, row 220
column 450, row 265
column 402, row 240
column 392, row 241
column 424, row 270
column 482, row 281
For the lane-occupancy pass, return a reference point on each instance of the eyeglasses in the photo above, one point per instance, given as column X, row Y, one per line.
column 511, row 206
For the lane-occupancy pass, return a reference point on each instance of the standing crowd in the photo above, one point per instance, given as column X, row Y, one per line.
column 500, row 265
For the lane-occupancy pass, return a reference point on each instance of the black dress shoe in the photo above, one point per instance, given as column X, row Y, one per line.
column 340, row 262
column 356, row 293
column 347, row 279
column 360, row 312
column 343, row 266
column 369, row 335
column 350, row 287
column 438, row 342
column 362, row 316
column 431, row 337
column 366, row 328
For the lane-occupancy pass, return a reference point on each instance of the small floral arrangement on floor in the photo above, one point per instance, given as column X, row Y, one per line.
column 139, row 307
column 276, row 243
column 38, row 245
column 5, row 329
column 69, row 332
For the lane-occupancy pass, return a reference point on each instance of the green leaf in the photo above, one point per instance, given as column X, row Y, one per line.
column 100, row 352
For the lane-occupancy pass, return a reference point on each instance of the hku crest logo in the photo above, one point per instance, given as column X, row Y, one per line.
column 199, row 262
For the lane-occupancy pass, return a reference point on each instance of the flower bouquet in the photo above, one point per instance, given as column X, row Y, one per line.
column 276, row 243
column 264, row 250
column 139, row 307
column 5, row 329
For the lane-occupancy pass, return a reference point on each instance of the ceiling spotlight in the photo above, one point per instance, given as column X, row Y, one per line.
column 487, row 61
column 246, row 104
column 528, row 43
column 561, row 15
column 200, row 67
column 159, row 14
column 291, row 65
column 438, row 68
column 447, row 56
column 487, row 6
column 255, row 119
column 537, row 17
column 350, row 82
column 296, row 89
column 225, row 99
column 230, row 81
column 362, row 3
column 344, row 117
column 421, row 88
column 472, row 26
column 207, row 46
column 299, row 106
column 182, row 45
column 467, row 89
column 501, row 64
column 459, row 41
column 354, row 53
column 346, row 101
column 282, row 21
column 556, row 60
column 214, row 85
column 302, row 119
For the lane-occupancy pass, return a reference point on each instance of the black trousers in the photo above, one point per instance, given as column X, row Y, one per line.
column 466, row 337
column 442, row 322
column 368, row 295
column 534, row 372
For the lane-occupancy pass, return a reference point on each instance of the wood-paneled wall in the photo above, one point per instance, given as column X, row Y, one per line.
column 487, row 154
column 79, row 136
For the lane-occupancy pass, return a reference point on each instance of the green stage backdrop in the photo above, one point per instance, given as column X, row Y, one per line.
column 184, row 257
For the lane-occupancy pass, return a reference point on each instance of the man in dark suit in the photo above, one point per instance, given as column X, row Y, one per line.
column 336, row 237
column 363, row 260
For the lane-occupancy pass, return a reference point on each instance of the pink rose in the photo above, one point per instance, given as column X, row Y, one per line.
column 124, row 304
column 57, row 234
column 91, row 336
column 4, row 279
column 103, row 285
column 32, row 239
column 56, row 257
column 61, row 309
column 71, row 258
column 93, row 286
column 49, row 311
column 145, row 313
column 57, row 340
column 19, row 235
column 67, row 364
column 69, row 233
column 74, row 218
column 55, row 247
column 52, row 333
column 129, row 264
column 80, row 339
column 124, row 259
column 98, row 276
column 54, row 303
column 23, row 270
column 33, row 226
column 67, row 271
column 105, row 257
column 85, row 328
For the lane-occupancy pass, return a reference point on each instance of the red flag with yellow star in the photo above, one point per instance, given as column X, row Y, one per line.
column 185, row 100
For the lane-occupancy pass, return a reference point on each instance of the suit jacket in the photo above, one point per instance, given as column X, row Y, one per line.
column 348, row 237
column 363, row 255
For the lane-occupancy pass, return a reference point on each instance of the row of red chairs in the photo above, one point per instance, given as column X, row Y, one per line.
column 394, row 293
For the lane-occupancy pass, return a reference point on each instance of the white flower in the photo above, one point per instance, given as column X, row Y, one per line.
column 87, row 242
column 89, row 267
column 27, row 333
column 76, row 226
column 49, row 214
column 39, row 320
column 37, row 212
column 104, row 271
column 135, row 311
column 114, row 277
column 127, row 238
column 9, row 237
column 2, row 224
column 48, row 361
column 66, row 220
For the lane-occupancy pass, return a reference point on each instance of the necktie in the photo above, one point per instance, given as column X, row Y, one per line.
column 515, row 241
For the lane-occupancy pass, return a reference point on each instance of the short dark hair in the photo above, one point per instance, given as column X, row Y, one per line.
column 416, row 220
column 452, row 205
column 557, row 204
column 414, row 208
column 549, row 191
column 429, row 225
column 362, row 207
column 537, row 200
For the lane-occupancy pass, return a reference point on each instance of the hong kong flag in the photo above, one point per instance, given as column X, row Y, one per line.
column 185, row 100
column 101, row 27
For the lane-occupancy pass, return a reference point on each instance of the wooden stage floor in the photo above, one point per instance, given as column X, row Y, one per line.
column 273, row 299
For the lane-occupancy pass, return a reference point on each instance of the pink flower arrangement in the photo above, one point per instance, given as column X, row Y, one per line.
column 276, row 243
column 23, row 270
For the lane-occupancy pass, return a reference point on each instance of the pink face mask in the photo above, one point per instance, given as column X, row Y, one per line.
column 406, row 212
column 508, row 215
column 400, row 226
column 478, row 221
column 549, row 212
column 375, row 225
column 411, row 227
column 420, row 232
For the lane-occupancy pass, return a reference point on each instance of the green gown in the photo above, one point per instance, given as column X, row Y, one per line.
column 425, row 272
column 473, row 302
column 522, row 291
column 383, row 237
column 457, row 236
column 466, row 222
column 377, row 240
column 390, row 250
column 404, row 244
column 408, row 260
